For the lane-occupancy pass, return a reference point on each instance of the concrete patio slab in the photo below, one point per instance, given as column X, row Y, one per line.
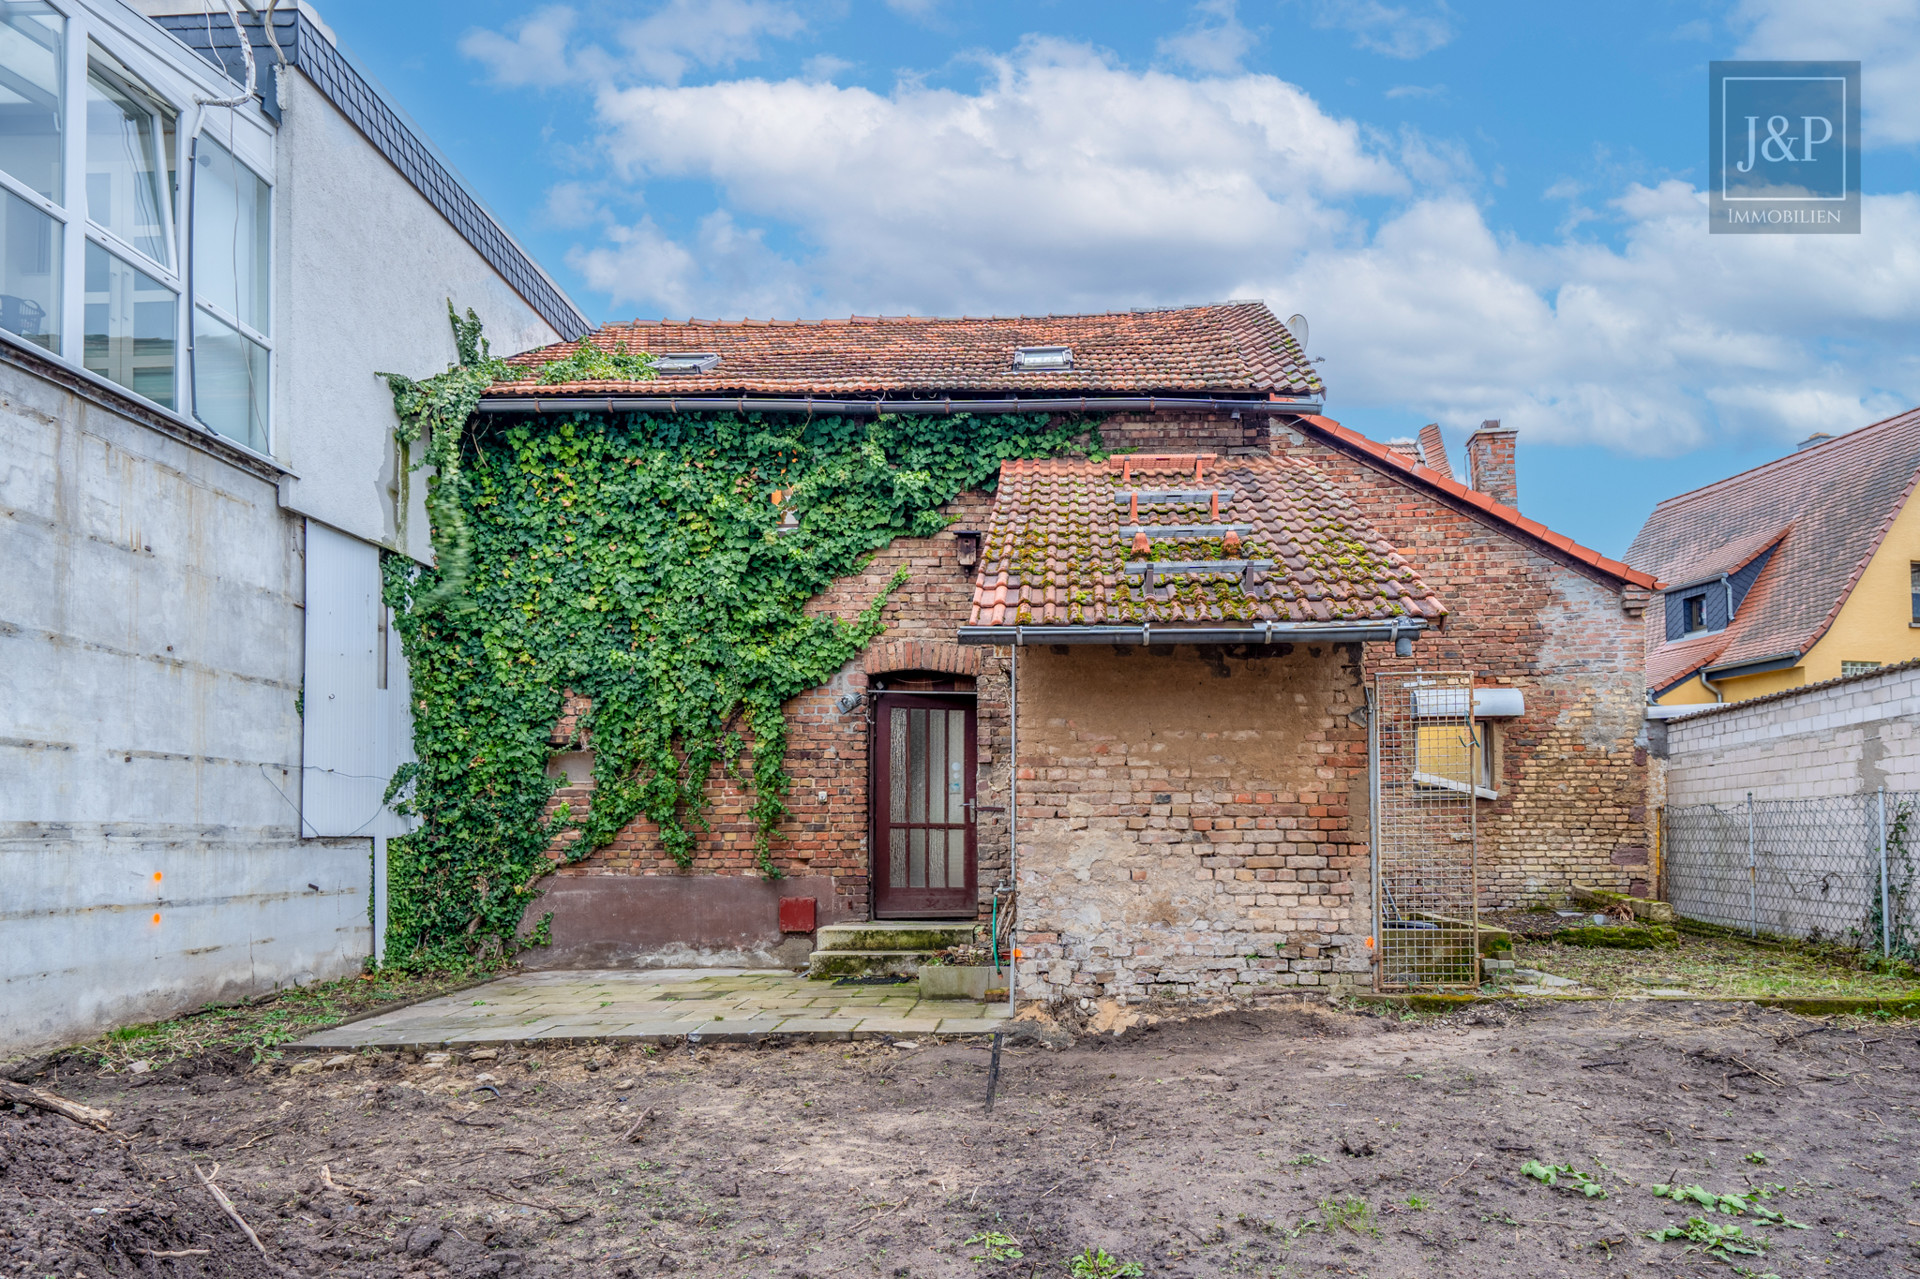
column 657, row 1006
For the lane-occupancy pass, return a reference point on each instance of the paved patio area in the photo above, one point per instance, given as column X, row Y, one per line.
column 657, row 1006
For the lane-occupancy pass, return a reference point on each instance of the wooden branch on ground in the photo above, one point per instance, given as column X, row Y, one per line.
column 40, row 1099
column 220, row 1197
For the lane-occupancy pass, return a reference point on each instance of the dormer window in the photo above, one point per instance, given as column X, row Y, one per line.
column 686, row 362
column 1036, row 359
column 1694, row 610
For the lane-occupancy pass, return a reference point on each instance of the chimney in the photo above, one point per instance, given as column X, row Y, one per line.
column 1433, row 450
column 1818, row 437
column 1490, row 463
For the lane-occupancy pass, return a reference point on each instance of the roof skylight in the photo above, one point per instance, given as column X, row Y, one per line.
column 686, row 362
column 1037, row 358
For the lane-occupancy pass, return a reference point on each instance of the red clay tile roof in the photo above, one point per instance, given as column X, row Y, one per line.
column 1729, row 557
column 1838, row 498
column 1496, row 511
column 1055, row 556
column 1669, row 664
column 1233, row 348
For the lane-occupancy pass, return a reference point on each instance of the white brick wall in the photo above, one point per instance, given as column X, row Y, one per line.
column 1839, row 738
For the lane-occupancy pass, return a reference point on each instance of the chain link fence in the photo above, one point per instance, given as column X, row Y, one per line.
column 1840, row 869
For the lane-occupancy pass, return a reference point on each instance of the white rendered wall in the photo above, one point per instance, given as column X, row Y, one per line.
column 364, row 267
column 1841, row 738
column 150, row 658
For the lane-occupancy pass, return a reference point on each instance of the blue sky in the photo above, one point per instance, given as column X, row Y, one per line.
column 1484, row 209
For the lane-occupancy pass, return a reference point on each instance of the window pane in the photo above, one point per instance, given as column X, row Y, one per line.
column 127, row 183
column 33, row 63
column 29, row 273
column 936, row 766
column 131, row 325
column 232, row 252
column 229, row 382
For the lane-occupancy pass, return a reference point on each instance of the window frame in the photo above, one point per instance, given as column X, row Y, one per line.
column 1485, row 784
column 137, row 62
column 1689, row 605
column 195, row 303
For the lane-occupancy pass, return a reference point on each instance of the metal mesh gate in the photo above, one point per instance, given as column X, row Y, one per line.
column 1426, row 767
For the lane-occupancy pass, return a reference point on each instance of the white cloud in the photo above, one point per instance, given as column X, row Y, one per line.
column 1066, row 181
column 1033, row 189
column 1214, row 42
column 1882, row 35
column 571, row 204
column 1398, row 31
column 824, row 66
column 535, row 53
column 726, row 272
column 664, row 45
column 1417, row 91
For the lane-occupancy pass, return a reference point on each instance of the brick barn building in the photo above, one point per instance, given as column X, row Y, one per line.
column 1191, row 779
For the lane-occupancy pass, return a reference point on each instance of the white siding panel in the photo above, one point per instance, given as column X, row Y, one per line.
column 341, row 778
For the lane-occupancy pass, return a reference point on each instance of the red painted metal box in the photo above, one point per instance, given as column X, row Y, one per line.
column 796, row 914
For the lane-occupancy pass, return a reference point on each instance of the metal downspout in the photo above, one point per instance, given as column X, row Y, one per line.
column 1013, row 825
column 1711, row 687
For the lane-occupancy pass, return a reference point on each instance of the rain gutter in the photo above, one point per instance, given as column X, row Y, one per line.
column 1401, row 631
column 876, row 407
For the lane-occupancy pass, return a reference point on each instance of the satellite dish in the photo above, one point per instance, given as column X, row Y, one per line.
column 1297, row 325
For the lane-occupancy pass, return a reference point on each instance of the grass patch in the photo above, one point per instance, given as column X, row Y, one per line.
column 1723, row 966
column 257, row 1029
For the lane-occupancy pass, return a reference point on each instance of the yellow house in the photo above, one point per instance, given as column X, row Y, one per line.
column 1801, row 570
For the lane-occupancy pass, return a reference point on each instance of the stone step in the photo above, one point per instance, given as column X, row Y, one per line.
column 826, row 965
column 894, row 935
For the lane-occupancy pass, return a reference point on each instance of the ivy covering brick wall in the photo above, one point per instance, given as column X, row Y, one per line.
column 640, row 562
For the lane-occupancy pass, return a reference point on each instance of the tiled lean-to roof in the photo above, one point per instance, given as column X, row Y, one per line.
column 1233, row 348
column 1824, row 509
column 1055, row 553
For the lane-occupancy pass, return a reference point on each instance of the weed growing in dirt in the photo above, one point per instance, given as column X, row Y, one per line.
column 1551, row 1175
column 1416, row 1204
column 1306, row 1161
column 257, row 1029
column 1717, row 1241
column 995, row 1247
column 1732, row 1205
column 1755, row 1158
column 1095, row 1263
column 1352, row 1213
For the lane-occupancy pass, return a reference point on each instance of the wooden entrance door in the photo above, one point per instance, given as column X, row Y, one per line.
column 923, row 811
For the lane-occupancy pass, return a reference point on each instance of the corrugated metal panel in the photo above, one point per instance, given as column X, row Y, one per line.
column 355, row 733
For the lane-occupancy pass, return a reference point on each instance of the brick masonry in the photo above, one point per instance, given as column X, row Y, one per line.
column 1193, row 820
column 827, row 748
column 1572, row 771
column 1224, row 895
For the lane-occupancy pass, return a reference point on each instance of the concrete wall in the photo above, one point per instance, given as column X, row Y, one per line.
column 364, row 267
column 1193, row 820
column 1838, row 738
column 149, row 739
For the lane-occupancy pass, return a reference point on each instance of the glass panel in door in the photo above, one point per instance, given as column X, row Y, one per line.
column 923, row 838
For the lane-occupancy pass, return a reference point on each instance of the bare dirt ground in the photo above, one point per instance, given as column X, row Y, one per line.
column 1290, row 1141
